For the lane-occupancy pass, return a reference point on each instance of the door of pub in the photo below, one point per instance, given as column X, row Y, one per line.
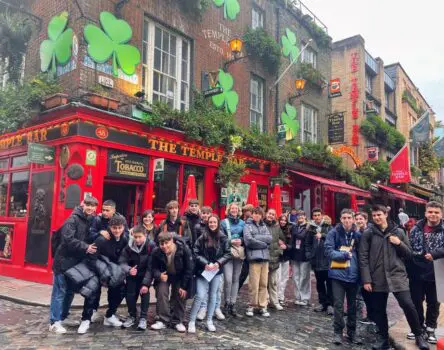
column 128, row 197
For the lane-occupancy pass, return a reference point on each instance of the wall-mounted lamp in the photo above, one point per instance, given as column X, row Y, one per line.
column 236, row 51
column 299, row 85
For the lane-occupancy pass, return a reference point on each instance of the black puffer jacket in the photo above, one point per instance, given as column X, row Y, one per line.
column 298, row 236
column 314, row 248
column 203, row 257
column 83, row 280
column 383, row 263
column 183, row 263
column 191, row 220
column 100, row 223
column 137, row 256
column 73, row 246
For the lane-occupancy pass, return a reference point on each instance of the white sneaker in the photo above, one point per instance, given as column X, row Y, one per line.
column 304, row 303
column 57, row 328
column 219, row 315
column 202, row 313
column 211, row 327
column 250, row 312
column 264, row 312
column 299, row 302
column 112, row 321
column 180, row 328
column 84, row 326
column 278, row 307
column 192, row 327
column 158, row 325
column 95, row 317
column 69, row 322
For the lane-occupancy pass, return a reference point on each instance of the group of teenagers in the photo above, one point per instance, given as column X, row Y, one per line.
column 198, row 256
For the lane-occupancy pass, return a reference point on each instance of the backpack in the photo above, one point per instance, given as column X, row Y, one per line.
column 56, row 240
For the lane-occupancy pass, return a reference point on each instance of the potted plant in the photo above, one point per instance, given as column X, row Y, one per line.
column 99, row 97
column 55, row 100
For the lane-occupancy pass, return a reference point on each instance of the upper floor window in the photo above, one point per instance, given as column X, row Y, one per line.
column 387, row 99
column 309, row 124
column 309, row 56
column 368, row 83
column 257, row 18
column 165, row 66
column 257, row 102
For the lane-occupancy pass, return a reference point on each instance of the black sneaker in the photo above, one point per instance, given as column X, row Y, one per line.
column 337, row 339
column 233, row 311
column 421, row 343
column 353, row 338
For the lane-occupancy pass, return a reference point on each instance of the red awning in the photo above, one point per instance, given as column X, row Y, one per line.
column 334, row 185
column 394, row 193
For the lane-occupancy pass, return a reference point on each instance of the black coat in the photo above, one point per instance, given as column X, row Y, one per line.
column 383, row 263
column 73, row 246
column 101, row 223
column 130, row 257
column 298, row 233
column 180, row 227
column 111, row 248
column 286, row 255
column 314, row 248
column 191, row 221
column 201, row 254
column 183, row 263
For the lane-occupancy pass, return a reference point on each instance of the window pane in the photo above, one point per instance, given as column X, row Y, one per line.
column 144, row 52
column 164, row 62
column 19, row 194
column 3, row 193
column 145, row 31
column 19, row 161
column 156, row 81
column 198, row 173
column 157, row 55
column 172, row 66
column 158, row 38
column 4, row 164
column 185, row 50
column 173, row 45
column 168, row 188
column 166, row 42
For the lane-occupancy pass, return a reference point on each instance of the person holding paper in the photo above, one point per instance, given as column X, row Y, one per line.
column 383, row 249
column 211, row 252
column 427, row 240
column 341, row 246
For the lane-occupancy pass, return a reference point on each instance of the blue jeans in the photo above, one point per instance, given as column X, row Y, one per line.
column 204, row 303
column 204, row 290
column 61, row 299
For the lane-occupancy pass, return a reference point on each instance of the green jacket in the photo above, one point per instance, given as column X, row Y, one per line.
column 275, row 251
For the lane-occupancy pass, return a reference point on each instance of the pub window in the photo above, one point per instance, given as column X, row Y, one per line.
column 309, row 56
column 4, row 179
column 18, row 196
column 199, row 174
column 166, row 66
column 19, row 161
column 4, row 164
column 167, row 188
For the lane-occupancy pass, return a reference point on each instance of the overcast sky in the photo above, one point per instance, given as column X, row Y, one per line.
column 409, row 32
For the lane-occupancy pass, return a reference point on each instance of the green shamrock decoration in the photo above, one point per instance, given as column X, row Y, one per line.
column 56, row 49
column 112, row 42
column 289, row 119
column 231, row 8
column 289, row 45
column 228, row 98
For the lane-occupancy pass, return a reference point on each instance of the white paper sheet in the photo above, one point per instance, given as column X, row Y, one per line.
column 209, row 275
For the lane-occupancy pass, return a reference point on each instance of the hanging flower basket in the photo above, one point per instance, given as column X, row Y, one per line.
column 54, row 100
column 103, row 102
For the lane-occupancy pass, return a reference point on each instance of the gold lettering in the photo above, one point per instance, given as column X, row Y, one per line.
column 163, row 146
column 36, row 135
column 200, row 154
column 43, row 134
column 185, row 150
column 19, row 139
column 153, row 143
column 193, row 152
column 220, row 156
column 29, row 137
column 207, row 155
column 8, row 142
column 173, row 147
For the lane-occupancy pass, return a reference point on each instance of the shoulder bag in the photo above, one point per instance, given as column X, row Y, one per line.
column 236, row 252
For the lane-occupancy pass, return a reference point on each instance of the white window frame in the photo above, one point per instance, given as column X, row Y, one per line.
column 257, row 17
column 313, row 133
column 148, row 48
column 310, row 56
column 368, row 82
column 256, row 90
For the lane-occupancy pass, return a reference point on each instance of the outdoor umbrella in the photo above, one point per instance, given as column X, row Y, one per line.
column 252, row 195
column 190, row 193
column 353, row 202
column 276, row 200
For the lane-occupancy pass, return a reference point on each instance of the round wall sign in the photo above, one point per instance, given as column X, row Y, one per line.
column 102, row 132
column 64, row 156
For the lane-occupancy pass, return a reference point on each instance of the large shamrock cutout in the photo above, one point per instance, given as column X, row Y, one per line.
column 227, row 97
column 112, row 42
column 289, row 119
column 231, row 8
column 56, row 49
column 289, row 45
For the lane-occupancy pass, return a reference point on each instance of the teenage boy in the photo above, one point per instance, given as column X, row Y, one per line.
column 427, row 241
column 173, row 223
column 72, row 250
column 315, row 253
column 112, row 248
column 192, row 218
column 299, row 262
column 293, row 216
column 257, row 239
column 135, row 261
column 276, row 249
column 383, row 249
column 100, row 223
column 341, row 246
column 172, row 266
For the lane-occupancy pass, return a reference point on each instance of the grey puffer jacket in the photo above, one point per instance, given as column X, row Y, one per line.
column 257, row 239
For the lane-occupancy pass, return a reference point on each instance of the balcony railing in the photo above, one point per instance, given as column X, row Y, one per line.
column 371, row 63
column 299, row 6
column 389, row 81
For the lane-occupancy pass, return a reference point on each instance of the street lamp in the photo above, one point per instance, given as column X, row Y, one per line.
column 236, row 50
column 299, row 84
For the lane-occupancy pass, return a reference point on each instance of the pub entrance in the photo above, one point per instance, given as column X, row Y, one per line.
column 128, row 197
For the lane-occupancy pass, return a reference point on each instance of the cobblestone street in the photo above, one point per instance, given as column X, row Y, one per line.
column 296, row 327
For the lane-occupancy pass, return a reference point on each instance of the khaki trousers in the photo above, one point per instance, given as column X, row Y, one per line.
column 257, row 284
column 273, row 286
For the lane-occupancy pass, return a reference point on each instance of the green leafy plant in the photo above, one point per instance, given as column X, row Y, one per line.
column 416, row 172
column 374, row 171
column 56, row 49
column 231, row 8
column 230, row 171
column 261, row 45
column 227, row 98
column 289, row 120
column 408, row 97
column 310, row 74
column 384, row 135
column 100, row 90
column 428, row 161
column 194, row 8
column 289, row 45
column 111, row 42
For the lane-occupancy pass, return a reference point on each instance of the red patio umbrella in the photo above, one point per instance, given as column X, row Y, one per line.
column 276, row 203
column 252, row 195
column 353, row 202
column 190, row 193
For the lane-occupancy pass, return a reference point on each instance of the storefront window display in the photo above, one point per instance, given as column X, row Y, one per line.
column 6, row 233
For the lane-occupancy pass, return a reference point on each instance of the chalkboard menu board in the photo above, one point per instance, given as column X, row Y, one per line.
column 127, row 165
column 336, row 128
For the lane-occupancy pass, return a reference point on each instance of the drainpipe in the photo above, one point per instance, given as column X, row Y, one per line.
column 276, row 96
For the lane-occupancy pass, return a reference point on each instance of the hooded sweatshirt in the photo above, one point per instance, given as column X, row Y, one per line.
column 134, row 255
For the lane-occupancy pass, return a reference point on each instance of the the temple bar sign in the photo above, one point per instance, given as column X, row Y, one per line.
column 127, row 165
